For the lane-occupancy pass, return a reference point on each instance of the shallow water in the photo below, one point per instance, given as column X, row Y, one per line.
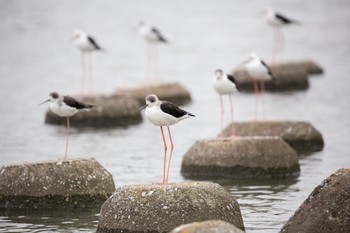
column 37, row 57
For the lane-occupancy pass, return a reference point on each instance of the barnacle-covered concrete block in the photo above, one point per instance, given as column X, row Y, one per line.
column 55, row 184
column 161, row 208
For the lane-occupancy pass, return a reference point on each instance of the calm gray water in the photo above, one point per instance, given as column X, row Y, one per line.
column 37, row 57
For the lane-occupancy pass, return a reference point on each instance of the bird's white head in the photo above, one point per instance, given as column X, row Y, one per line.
column 218, row 74
column 78, row 33
column 53, row 97
column 151, row 100
column 253, row 56
column 269, row 11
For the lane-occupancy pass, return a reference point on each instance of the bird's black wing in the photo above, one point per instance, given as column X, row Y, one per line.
column 173, row 110
column 231, row 78
column 268, row 70
column 284, row 19
column 159, row 35
column 75, row 103
column 92, row 41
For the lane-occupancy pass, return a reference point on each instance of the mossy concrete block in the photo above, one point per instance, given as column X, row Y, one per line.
column 211, row 226
column 286, row 80
column 55, row 184
column 173, row 92
column 289, row 76
column 111, row 111
column 327, row 209
column 310, row 66
column 240, row 158
column 302, row 136
column 161, row 208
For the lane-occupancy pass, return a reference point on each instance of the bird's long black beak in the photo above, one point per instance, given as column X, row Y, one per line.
column 44, row 102
column 143, row 107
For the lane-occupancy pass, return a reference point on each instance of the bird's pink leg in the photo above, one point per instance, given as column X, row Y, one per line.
column 68, row 132
column 171, row 153
column 281, row 44
column 222, row 117
column 233, row 134
column 149, row 63
column 83, row 74
column 156, row 64
column 263, row 98
column 89, row 72
column 256, row 91
column 165, row 150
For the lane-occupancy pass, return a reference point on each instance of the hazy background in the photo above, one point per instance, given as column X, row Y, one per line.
column 37, row 57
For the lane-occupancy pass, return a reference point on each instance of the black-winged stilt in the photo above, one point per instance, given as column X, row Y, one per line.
column 225, row 84
column 152, row 37
column 277, row 21
column 164, row 113
column 86, row 44
column 66, row 106
column 259, row 71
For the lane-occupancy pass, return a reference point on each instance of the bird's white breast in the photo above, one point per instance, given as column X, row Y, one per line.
column 84, row 44
column 224, row 86
column 258, row 71
column 157, row 117
column 147, row 33
column 62, row 110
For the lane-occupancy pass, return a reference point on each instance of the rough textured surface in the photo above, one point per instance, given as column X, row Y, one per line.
column 161, row 208
column 290, row 76
column 287, row 80
column 241, row 158
column 55, row 184
column 211, row 226
column 327, row 209
column 172, row 92
column 111, row 111
column 310, row 66
column 302, row 136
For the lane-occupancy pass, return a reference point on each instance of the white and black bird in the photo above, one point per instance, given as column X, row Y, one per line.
column 225, row 84
column 66, row 106
column 260, row 72
column 153, row 37
column 277, row 21
column 163, row 113
column 86, row 44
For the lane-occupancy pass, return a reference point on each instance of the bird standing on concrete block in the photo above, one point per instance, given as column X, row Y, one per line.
column 164, row 113
column 86, row 44
column 225, row 84
column 66, row 106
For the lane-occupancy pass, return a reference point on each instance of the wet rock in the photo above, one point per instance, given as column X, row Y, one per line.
column 55, row 184
column 161, row 208
column 112, row 111
column 211, row 226
column 327, row 209
column 310, row 66
column 173, row 92
column 302, row 136
column 287, row 80
column 241, row 158
column 290, row 76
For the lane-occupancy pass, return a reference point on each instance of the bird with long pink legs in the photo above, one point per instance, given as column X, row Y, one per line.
column 277, row 21
column 260, row 72
column 163, row 113
column 153, row 37
column 225, row 84
column 66, row 106
column 86, row 44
